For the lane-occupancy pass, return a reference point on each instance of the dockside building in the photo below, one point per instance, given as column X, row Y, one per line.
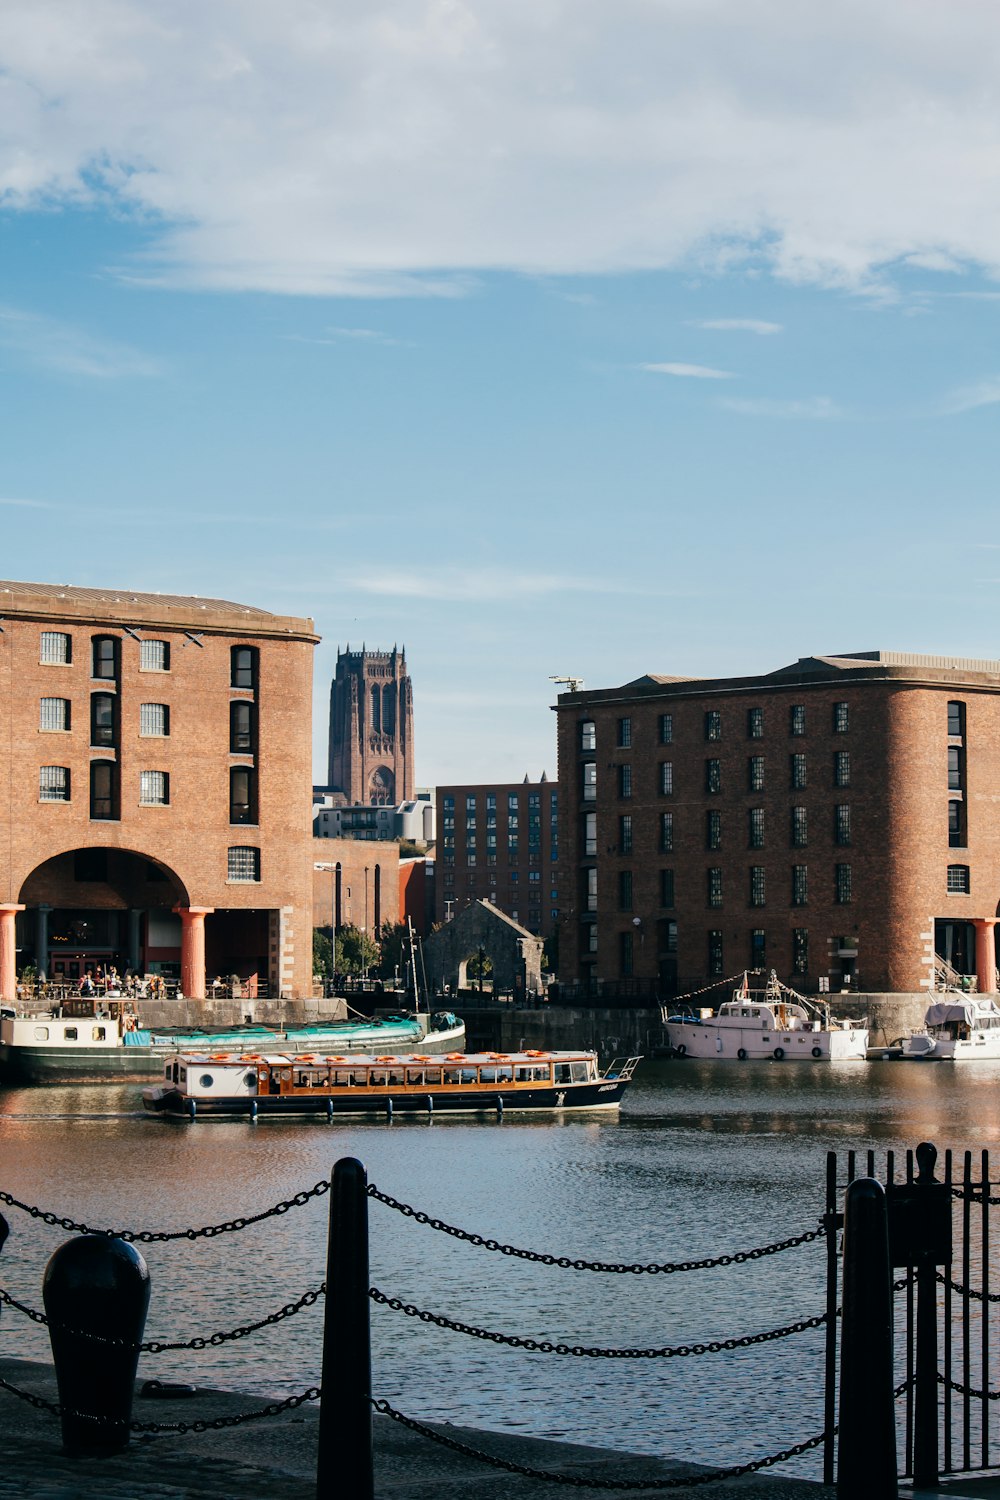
column 835, row 820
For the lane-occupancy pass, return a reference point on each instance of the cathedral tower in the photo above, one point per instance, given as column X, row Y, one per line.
column 371, row 727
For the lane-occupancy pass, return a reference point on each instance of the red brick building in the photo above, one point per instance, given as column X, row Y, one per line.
column 833, row 820
column 371, row 728
column 155, row 756
column 355, row 884
column 500, row 843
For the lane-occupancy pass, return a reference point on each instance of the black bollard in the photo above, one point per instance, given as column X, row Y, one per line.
column 345, row 1462
column 866, row 1446
column 98, row 1286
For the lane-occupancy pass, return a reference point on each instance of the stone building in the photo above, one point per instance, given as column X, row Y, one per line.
column 500, row 843
column 834, row 820
column 371, row 728
column 155, row 759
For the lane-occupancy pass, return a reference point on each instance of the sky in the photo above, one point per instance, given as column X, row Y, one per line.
column 546, row 337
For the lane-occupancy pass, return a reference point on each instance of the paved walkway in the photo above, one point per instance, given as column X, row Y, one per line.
column 275, row 1459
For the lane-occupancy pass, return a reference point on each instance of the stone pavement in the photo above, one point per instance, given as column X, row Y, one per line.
column 275, row 1459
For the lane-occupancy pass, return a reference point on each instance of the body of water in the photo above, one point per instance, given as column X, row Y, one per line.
column 703, row 1159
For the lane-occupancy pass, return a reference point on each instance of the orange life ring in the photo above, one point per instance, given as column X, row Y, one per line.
column 420, row 1057
column 536, row 1054
column 335, row 1059
column 500, row 1056
column 385, row 1059
column 306, row 1057
column 454, row 1057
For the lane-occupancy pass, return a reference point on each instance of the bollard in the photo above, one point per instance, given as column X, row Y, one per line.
column 866, row 1446
column 98, row 1286
column 345, row 1462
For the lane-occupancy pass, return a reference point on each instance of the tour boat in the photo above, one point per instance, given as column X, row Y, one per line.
column 95, row 1039
column 417, row 1083
column 958, row 1028
column 773, row 1022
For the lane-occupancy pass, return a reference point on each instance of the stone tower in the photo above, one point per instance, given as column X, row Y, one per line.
column 371, row 727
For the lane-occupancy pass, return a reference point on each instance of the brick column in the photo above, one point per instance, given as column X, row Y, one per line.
column 8, row 950
column 193, row 949
column 986, row 954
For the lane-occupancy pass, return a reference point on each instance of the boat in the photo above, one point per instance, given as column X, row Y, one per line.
column 91, row 1039
column 493, row 1083
column 772, row 1022
column 959, row 1028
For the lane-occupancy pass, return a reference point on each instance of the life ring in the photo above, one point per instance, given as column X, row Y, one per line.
column 681, row 1050
column 307, row 1057
column 420, row 1057
column 454, row 1057
column 536, row 1054
column 385, row 1059
column 817, row 1052
column 778, row 1053
column 338, row 1058
column 742, row 1054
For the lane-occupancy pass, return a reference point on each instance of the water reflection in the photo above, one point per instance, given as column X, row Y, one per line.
column 704, row 1158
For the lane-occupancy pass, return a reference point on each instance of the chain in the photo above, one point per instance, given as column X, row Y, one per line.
column 970, row 1292
column 715, row 985
column 967, row 1390
column 586, row 1481
column 150, row 1236
column 212, row 1340
column 567, row 1263
column 274, row 1409
column 540, row 1346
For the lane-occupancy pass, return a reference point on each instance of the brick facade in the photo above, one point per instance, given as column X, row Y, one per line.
column 371, row 728
column 131, row 769
column 500, row 843
column 357, row 882
column 796, row 821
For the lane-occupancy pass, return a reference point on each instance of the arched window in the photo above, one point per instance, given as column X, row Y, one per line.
column 103, row 789
column 243, row 667
column 382, row 788
column 378, row 899
column 242, row 727
column 102, row 718
column 338, row 886
column 104, row 657
column 376, row 708
column 389, row 708
column 242, row 795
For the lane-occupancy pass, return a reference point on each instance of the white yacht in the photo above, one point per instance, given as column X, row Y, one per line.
column 773, row 1022
column 958, row 1028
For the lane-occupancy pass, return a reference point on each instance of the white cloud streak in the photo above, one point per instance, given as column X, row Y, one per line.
column 969, row 397
column 324, row 146
column 807, row 408
column 483, row 582
column 737, row 325
column 70, row 350
column 688, row 372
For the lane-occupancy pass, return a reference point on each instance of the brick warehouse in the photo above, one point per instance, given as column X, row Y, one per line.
column 155, row 753
column 835, row 819
column 500, row 843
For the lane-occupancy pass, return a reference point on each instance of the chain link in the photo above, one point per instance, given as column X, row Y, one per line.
column 971, row 1292
column 586, row 1481
column 567, row 1263
column 212, row 1340
column 151, row 1236
column 209, row 1424
column 968, row 1390
column 542, row 1346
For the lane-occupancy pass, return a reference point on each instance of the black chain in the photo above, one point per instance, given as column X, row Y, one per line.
column 968, row 1390
column 152, row 1236
column 567, row 1263
column 586, row 1481
column 212, row 1424
column 542, row 1346
column 971, row 1292
column 212, row 1340
column 975, row 1191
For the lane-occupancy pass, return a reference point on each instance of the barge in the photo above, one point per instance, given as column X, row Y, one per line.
column 484, row 1083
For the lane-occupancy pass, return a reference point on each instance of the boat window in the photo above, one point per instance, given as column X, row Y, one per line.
column 70, row 1034
column 41, row 1033
column 579, row 1072
column 415, row 1077
column 746, row 1011
column 250, row 1082
column 206, row 1080
column 532, row 1073
column 563, row 1074
column 432, row 1075
column 100, row 1033
column 453, row 1075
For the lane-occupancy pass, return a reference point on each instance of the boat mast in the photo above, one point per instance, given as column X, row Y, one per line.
column 412, row 965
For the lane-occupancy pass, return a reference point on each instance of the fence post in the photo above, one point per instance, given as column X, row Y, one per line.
column 345, row 1462
column 925, row 1416
column 866, row 1448
column 99, row 1287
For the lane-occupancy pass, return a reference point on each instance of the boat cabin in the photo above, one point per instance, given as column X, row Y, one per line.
column 770, row 1017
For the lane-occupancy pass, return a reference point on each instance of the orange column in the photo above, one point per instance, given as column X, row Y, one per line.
column 986, row 954
column 8, row 950
column 193, row 949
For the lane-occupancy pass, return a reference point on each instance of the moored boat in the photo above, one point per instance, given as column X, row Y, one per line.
column 773, row 1022
column 416, row 1083
column 92, row 1040
column 959, row 1028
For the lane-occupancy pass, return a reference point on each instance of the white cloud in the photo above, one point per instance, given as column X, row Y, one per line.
column 68, row 349
column 29, row 504
column 736, row 325
column 482, row 582
column 807, row 408
column 689, row 372
column 968, row 397
column 325, row 146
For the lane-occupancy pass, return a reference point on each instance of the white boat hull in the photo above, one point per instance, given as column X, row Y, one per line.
column 707, row 1039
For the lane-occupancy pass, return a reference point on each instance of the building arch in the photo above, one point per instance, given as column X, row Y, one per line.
column 382, row 788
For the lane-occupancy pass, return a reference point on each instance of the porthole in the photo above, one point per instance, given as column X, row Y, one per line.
column 206, row 1080
column 41, row 1033
column 250, row 1081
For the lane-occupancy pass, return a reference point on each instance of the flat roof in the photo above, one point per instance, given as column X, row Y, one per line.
column 73, row 603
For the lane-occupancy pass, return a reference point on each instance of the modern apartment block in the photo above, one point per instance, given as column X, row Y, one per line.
column 834, row 820
column 500, row 844
column 155, row 755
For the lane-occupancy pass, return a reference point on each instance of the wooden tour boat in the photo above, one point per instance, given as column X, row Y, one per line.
column 478, row 1082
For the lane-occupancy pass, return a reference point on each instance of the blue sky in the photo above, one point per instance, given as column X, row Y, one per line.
column 590, row 338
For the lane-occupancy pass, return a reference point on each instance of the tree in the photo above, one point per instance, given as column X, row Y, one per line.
column 356, row 951
column 392, row 938
column 321, row 953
